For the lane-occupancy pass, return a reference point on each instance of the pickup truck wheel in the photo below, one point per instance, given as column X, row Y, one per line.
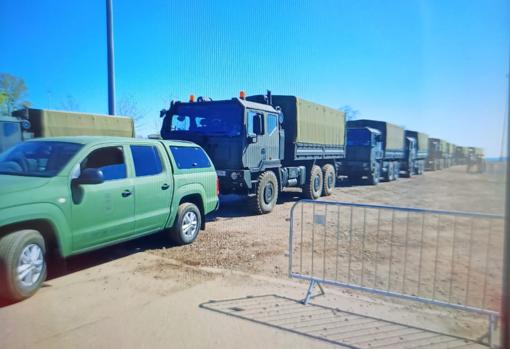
column 187, row 224
column 313, row 186
column 328, row 173
column 266, row 193
column 22, row 264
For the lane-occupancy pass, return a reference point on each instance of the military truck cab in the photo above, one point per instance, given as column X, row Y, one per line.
column 375, row 150
column 12, row 131
column 364, row 154
column 256, row 143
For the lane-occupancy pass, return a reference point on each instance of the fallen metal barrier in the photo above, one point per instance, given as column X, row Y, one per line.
column 446, row 258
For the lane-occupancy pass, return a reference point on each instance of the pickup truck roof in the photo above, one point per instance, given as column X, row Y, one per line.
column 105, row 139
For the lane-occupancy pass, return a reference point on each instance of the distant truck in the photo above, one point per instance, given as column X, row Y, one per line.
column 375, row 150
column 34, row 123
column 476, row 160
column 460, row 155
column 417, row 151
column 264, row 143
column 68, row 195
column 437, row 154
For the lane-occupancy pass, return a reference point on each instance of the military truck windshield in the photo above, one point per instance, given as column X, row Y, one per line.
column 10, row 134
column 208, row 118
column 359, row 137
column 37, row 158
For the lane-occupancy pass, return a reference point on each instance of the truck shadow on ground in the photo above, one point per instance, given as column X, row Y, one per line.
column 233, row 206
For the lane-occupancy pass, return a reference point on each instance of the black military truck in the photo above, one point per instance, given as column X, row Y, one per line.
column 375, row 150
column 264, row 143
column 416, row 152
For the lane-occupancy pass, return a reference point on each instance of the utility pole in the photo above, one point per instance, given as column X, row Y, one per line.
column 505, row 299
column 111, row 67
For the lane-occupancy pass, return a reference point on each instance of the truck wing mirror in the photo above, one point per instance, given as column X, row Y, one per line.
column 89, row 176
column 162, row 113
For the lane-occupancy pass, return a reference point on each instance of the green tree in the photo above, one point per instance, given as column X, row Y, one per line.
column 12, row 93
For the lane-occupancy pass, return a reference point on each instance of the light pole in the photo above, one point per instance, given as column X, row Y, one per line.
column 111, row 67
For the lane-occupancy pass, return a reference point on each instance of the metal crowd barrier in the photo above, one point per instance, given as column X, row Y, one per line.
column 446, row 258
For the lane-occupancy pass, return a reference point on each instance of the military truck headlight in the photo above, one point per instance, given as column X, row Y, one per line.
column 234, row 176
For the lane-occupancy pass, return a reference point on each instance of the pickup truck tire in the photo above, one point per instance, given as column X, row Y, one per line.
column 22, row 264
column 266, row 193
column 329, row 179
column 187, row 224
column 313, row 185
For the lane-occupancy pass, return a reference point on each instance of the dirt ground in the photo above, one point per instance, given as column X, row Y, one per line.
column 237, row 240
column 147, row 292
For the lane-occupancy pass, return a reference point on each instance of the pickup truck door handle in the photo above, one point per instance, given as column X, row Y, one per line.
column 126, row 193
column 165, row 186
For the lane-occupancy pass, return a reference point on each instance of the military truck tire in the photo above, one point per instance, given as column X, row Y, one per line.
column 266, row 193
column 396, row 170
column 373, row 178
column 329, row 179
column 313, row 185
column 22, row 264
column 187, row 224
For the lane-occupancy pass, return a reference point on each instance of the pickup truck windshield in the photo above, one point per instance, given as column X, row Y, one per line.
column 208, row 118
column 37, row 158
column 359, row 137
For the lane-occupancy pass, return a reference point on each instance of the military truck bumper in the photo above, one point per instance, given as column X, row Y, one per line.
column 356, row 168
column 234, row 181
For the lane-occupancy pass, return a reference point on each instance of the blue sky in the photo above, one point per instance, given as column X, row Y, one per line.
column 438, row 66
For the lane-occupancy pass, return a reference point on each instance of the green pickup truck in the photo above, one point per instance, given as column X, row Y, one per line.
column 75, row 194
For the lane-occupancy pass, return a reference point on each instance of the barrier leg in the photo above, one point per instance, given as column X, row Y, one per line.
column 309, row 292
column 492, row 328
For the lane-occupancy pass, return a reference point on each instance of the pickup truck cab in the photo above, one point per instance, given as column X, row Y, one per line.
column 75, row 194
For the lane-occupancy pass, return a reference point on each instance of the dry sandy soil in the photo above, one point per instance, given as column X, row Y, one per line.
column 146, row 292
column 237, row 240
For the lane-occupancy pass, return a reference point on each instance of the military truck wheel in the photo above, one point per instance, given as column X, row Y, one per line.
column 266, row 193
column 313, row 185
column 22, row 264
column 396, row 171
column 373, row 178
column 187, row 224
column 329, row 179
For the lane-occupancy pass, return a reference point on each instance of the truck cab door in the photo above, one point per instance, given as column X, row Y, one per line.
column 263, row 134
column 255, row 151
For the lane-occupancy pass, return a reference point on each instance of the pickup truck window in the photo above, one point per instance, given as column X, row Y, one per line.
column 37, row 158
column 147, row 160
column 190, row 157
column 110, row 160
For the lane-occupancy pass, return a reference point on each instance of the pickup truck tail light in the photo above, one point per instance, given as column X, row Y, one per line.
column 217, row 186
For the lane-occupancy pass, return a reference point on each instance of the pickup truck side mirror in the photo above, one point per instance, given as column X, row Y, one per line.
column 89, row 176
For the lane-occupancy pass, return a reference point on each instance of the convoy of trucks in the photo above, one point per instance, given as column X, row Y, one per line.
column 263, row 144
column 254, row 146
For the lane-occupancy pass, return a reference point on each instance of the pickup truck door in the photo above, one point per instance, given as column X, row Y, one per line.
column 103, row 212
column 153, row 186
